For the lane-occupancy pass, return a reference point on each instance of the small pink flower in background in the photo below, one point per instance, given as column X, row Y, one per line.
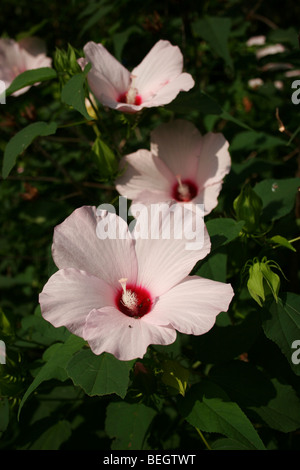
column 156, row 81
column 17, row 57
column 123, row 294
column 182, row 165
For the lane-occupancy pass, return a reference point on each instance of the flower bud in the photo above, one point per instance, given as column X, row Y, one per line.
column 65, row 62
column 248, row 207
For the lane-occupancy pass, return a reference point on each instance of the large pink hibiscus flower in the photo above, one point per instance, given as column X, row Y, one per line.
column 156, row 81
column 124, row 293
column 182, row 165
column 17, row 57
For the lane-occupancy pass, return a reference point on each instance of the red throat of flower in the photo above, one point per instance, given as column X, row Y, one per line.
column 184, row 190
column 133, row 301
column 131, row 96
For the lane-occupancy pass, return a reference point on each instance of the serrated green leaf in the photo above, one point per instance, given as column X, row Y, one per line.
column 281, row 324
column 56, row 358
column 264, row 399
column 215, row 30
column 208, row 408
column 127, row 424
column 99, row 375
column 223, row 231
column 20, row 141
column 30, row 77
column 278, row 197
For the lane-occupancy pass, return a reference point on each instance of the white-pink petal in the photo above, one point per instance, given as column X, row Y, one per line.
column 192, row 305
column 138, row 166
column 108, row 330
column 162, row 65
column 69, row 296
column 169, row 242
column 179, row 145
column 214, row 161
column 100, row 245
column 18, row 57
column 107, row 69
column 156, row 81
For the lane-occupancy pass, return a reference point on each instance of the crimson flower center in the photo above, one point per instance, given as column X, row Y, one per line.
column 184, row 190
column 131, row 96
column 133, row 301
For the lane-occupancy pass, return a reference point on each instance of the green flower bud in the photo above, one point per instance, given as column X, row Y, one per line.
column 248, row 207
column 106, row 160
column 262, row 279
column 65, row 62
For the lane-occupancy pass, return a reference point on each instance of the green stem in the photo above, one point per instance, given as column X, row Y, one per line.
column 294, row 240
column 203, row 439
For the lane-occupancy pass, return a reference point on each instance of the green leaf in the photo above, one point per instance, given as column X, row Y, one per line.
column 253, row 140
column 20, row 141
column 205, row 104
column 214, row 266
column 99, row 375
column 53, row 437
column 74, row 93
column 208, row 408
column 215, row 31
column 278, row 197
column 223, row 231
column 281, row 324
column 127, row 424
column 56, row 358
column 227, row 444
column 30, row 77
column 282, row 241
column 263, row 399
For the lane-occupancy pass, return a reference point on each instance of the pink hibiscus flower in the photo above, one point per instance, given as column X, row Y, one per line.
column 124, row 293
column 156, row 81
column 17, row 57
column 182, row 165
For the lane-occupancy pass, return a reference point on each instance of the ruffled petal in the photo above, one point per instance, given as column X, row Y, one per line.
column 107, row 77
column 170, row 239
column 208, row 196
column 69, row 296
column 214, row 161
column 145, row 175
column 109, row 330
column 178, row 144
column 166, row 94
column 162, row 64
column 192, row 305
column 98, row 244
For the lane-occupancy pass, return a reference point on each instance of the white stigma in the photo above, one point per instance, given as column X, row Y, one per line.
column 132, row 92
column 129, row 298
column 182, row 189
